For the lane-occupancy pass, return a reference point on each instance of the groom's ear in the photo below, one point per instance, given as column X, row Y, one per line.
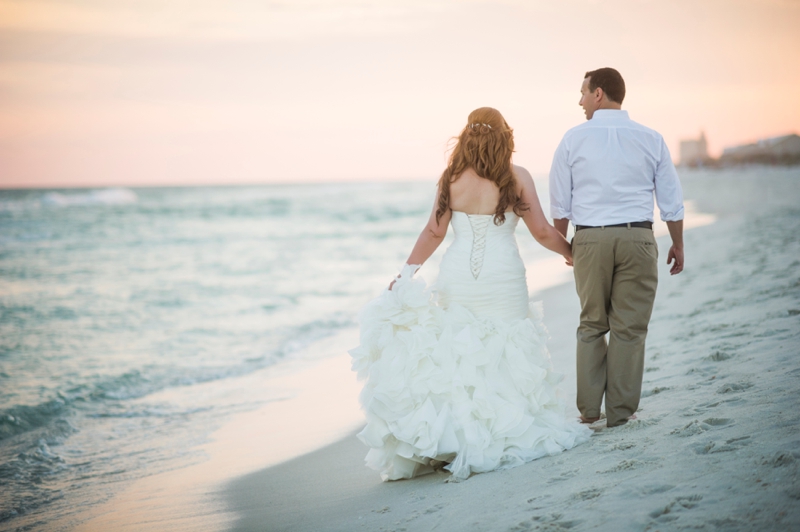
column 599, row 93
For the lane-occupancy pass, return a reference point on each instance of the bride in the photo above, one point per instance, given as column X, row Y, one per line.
column 461, row 374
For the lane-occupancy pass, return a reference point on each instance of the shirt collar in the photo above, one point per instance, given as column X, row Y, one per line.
column 610, row 114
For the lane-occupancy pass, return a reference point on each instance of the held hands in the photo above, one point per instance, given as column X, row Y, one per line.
column 568, row 255
column 676, row 254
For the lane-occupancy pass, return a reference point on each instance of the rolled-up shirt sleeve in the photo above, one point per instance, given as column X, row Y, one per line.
column 669, row 195
column 561, row 184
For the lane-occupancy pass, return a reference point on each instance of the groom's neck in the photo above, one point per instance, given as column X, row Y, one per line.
column 608, row 104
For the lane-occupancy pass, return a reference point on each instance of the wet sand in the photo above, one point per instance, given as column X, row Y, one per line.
column 715, row 445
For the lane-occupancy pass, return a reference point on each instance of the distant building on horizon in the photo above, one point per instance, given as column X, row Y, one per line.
column 782, row 150
column 694, row 152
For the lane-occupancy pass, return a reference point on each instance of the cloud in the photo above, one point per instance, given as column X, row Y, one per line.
column 218, row 20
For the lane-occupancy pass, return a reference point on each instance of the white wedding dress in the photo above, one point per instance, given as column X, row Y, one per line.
column 461, row 373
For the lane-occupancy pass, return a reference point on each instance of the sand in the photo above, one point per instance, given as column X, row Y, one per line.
column 716, row 445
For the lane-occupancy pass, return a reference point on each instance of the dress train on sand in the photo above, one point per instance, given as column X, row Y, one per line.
column 461, row 373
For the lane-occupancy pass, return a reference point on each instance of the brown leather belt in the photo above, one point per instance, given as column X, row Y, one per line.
column 645, row 225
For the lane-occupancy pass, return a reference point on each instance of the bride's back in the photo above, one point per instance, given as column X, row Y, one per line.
column 473, row 194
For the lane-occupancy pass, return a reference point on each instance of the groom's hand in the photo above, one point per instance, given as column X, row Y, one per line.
column 675, row 254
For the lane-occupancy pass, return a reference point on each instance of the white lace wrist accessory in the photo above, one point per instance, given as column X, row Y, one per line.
column 408, row 271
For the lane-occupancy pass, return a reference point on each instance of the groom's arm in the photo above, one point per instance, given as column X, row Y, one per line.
column 561, row 189
column 676, row 251
column 562, row 225
column 669, row 198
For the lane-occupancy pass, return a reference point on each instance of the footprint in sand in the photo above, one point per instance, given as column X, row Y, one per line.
column 735, row 334
column 636, row 424
column 698, row 427
column 711, row 447
column 658, row 488
column 550, row 523
column 565, row 475
column 536, row 498
column 621, row 446
column 693, row 428
column 698, row 410
column 705, row 308
column 735, row 387
column 770, row 332
column 671, row 511
column 655, row 391
column 626, row 465
column 719, row 356
column 587, row 495
column 718, row 421
column 726, row 523
column 779, row 459
column 703, row 372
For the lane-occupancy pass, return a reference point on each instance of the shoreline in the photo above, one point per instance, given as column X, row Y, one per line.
column 313, row 402
column 220, row 501
column 714, row 447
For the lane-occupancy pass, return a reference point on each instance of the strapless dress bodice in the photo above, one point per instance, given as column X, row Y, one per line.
column 460, row 374
column 482, row 269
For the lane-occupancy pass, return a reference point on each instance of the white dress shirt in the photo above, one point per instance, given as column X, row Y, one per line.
column 606, row 170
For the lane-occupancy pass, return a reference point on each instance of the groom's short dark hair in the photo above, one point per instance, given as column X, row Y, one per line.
column 610, row 81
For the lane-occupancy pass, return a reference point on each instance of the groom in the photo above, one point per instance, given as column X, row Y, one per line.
column 603, row 178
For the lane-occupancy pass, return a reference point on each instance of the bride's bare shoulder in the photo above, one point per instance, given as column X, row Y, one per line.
column 522, row 176
column 520, row 172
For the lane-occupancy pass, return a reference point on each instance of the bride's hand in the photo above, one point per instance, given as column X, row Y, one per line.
column 568, row 261
column 408, row 270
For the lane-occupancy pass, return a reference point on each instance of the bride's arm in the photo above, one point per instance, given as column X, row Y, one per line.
column 429, row 239
column 431, row 236
column 543, row 232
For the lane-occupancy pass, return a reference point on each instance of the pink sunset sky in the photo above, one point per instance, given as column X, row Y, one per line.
column 145, row 92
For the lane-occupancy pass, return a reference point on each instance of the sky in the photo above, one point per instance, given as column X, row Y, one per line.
column 194, row 92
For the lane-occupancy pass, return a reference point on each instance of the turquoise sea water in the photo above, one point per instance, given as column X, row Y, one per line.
column 110, row 296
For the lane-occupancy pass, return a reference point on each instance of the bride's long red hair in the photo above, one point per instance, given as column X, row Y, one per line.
column 485, row 145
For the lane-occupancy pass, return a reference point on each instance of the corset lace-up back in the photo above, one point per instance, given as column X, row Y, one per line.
column 480, row 224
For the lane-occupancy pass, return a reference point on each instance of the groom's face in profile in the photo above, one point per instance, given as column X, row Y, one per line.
column 590, row 100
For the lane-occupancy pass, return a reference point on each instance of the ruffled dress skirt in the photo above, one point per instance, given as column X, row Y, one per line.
column 444, row 383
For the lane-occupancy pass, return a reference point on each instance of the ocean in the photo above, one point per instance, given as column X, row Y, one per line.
column 111, row 297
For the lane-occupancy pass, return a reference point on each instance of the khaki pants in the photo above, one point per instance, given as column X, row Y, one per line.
column 616, row 276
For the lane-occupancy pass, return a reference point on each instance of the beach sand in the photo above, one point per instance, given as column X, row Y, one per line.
column 716, row 445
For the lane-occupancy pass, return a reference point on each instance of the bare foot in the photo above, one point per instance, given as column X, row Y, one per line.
column 588, row 420
column 624, row 421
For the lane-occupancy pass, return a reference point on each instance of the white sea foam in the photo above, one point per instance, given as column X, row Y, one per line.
column 106, row 196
